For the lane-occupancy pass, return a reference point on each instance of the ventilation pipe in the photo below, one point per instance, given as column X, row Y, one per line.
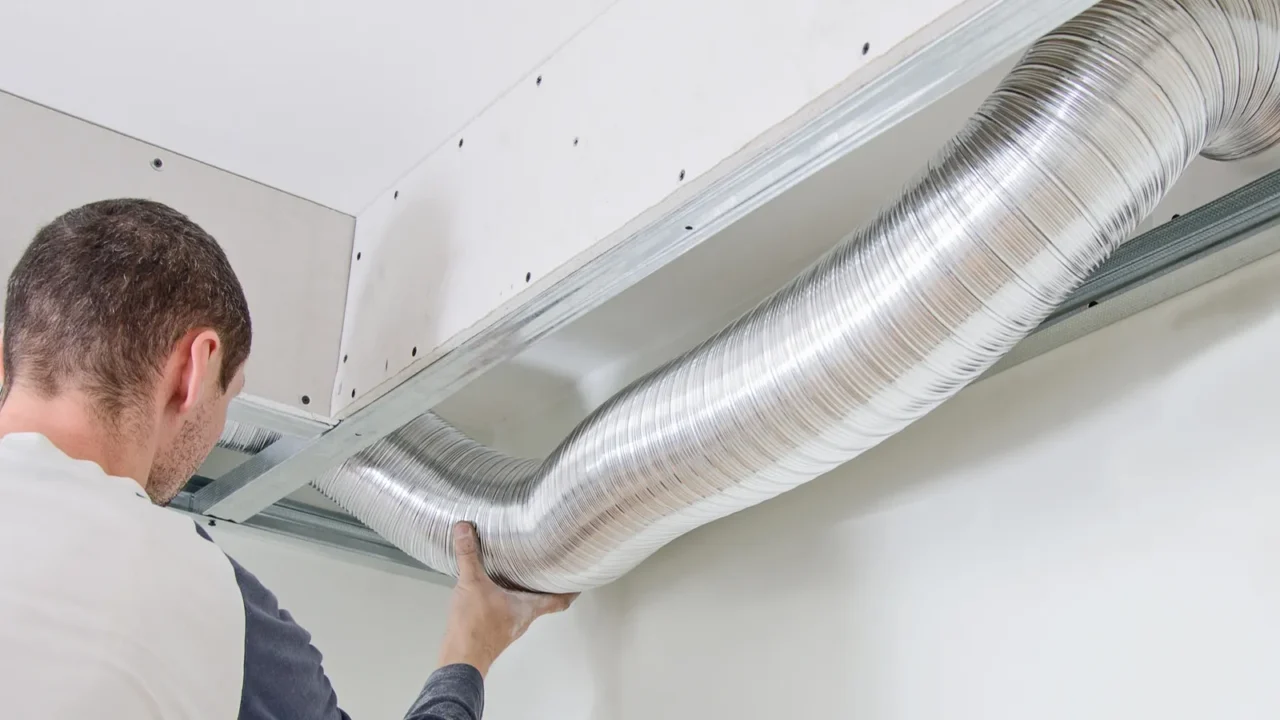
column 247, row 439
column 1056, row 169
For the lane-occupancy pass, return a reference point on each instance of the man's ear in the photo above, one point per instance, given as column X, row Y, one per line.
column 195, row 360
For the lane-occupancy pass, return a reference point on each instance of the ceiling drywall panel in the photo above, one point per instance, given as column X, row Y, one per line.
column 331, row 100
column 693, row 297
column 291, row 255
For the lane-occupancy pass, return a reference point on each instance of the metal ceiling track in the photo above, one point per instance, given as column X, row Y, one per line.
column 1208, row 229
column 312, row 525
column 1201, row 245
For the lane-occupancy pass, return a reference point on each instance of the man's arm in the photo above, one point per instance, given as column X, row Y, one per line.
column 283, row 673
column 454, row 692
column 483, row 621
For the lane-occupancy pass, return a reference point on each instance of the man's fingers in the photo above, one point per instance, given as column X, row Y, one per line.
column 466, row 547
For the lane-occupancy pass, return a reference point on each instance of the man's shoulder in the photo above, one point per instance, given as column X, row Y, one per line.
column 76, row 499
column 131, row 582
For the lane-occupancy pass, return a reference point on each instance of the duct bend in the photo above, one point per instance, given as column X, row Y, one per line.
column 1050, row 175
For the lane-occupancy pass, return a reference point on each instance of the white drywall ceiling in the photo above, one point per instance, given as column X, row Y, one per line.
column 331, row 100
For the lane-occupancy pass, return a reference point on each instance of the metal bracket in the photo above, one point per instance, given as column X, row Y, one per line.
column 315, row 525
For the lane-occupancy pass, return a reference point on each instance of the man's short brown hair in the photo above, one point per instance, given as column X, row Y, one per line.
column 104, row 293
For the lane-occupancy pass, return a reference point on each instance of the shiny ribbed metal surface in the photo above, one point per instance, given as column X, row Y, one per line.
column 247, row 439
column 1052, row 173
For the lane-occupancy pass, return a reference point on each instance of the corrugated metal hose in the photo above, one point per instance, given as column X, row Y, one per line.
column 248, row 439
column 1056, row 169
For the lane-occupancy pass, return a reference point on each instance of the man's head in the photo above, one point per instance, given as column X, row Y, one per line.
column 132, row 306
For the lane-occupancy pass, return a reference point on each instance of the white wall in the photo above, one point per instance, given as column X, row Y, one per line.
column 1091, row 534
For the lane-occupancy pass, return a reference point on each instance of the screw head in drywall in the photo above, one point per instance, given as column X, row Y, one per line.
column 157, row 164
column 306, row 399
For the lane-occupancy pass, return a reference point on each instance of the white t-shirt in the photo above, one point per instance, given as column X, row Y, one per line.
column 114, row 608
column 107, row 601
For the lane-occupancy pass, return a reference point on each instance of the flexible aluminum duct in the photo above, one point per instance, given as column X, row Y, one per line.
column 247, row 439
column 1055, row 169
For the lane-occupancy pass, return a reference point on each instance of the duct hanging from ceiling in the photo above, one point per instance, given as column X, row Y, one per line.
column 1053, row 172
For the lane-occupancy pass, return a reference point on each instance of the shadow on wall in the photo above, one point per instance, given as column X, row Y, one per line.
column 517, row 408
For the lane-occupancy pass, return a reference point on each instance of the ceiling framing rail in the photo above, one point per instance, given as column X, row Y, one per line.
column 1236, row 216
column 312, row 525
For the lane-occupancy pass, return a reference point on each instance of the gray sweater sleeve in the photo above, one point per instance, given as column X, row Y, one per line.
column 454, row 692
column 283, row 672
column 284, row 677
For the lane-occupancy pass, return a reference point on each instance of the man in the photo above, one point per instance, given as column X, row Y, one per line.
column 125, row 338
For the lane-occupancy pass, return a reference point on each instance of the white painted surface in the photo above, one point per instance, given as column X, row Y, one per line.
column 661, row 96
column 291, row 255
column 328, row 99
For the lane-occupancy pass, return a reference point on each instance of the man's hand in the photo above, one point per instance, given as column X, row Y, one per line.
column 484, row 619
